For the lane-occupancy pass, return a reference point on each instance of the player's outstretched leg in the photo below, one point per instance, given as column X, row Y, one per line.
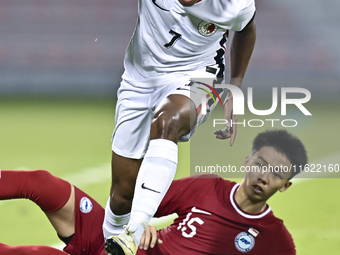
column 29, row 250
column 172, row 119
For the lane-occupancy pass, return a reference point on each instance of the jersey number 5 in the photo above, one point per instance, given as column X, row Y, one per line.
column 189, row 224
column 174, row 39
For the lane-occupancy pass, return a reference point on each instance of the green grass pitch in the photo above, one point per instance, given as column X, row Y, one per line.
column 71, row 139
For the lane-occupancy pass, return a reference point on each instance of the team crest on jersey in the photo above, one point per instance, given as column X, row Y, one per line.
column 207, row 28
column 244, row 242
column 85, row 205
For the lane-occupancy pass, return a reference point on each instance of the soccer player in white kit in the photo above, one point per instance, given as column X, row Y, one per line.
column 175, row 43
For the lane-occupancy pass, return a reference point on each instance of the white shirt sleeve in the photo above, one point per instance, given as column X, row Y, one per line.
column 244, row 16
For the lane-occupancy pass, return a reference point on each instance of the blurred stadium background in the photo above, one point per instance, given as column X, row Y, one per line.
column 60, row 66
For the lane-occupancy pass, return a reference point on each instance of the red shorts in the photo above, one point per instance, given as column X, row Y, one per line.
column 88, row 238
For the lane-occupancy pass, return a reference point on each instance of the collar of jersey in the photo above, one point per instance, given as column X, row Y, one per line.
column 248, row 216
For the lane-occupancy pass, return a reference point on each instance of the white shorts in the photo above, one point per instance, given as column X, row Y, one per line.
column 137, row 101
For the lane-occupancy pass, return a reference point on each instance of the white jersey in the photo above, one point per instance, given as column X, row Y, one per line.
column 170, row 38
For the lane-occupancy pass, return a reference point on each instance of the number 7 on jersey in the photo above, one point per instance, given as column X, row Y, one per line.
column 174, row 39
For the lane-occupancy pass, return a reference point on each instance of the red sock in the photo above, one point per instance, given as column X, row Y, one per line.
column 29, row 250
column 47, row 191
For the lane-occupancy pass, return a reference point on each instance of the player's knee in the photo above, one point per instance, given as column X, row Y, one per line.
column 166, row 125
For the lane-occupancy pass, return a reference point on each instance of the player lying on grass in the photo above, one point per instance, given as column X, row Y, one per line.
column 76, row 217
column 215, row 216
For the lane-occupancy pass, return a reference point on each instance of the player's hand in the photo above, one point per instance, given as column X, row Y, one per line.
column 149, row 238
column 229, row 131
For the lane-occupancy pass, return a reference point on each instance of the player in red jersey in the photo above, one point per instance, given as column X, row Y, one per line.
column 215, row 216
column 76, row 217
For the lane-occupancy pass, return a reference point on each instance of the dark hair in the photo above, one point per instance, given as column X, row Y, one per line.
column 286, row 144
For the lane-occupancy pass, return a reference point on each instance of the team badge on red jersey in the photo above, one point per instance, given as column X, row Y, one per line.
column 244, row 242
column 85, row 205
column 207, row 28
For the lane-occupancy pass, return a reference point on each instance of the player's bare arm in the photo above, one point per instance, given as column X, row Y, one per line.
column 63, row 220
column 242, row 46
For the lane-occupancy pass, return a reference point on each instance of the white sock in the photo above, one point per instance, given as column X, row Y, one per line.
column 113, row 224
column 153, row 181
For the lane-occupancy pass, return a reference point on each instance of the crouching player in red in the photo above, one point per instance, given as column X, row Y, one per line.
column 217, row 216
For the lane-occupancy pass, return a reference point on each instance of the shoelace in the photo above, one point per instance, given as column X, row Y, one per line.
column 128, row 231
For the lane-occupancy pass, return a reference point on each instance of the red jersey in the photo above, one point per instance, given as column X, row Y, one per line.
column 210, row 222
column 88, row 238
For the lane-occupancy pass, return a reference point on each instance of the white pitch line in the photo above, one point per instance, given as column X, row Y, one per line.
column 90, row 175
column 59, row 246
